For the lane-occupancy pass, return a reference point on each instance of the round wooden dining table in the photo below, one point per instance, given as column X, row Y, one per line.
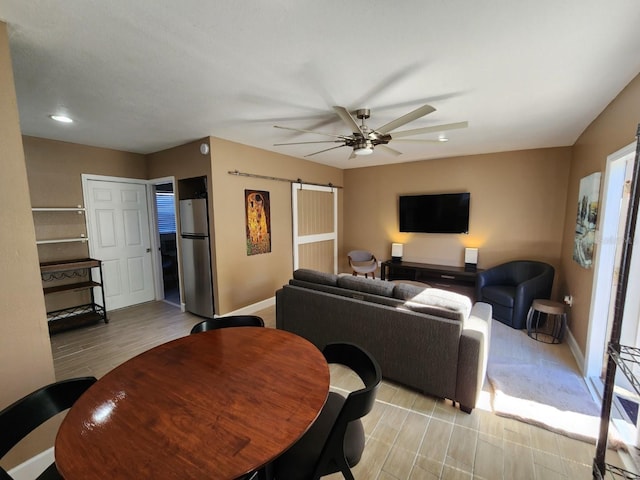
column 212, row 405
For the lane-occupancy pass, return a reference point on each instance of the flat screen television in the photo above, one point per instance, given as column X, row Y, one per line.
column 436, row 213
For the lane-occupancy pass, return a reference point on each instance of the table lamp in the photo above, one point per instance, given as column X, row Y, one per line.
column 470, row 259
column 396, row 252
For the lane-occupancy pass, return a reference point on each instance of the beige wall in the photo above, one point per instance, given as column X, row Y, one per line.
column 517, row 206
column 55, row 168
column 54, row 172
column 186, row 161
column 613, row 129
column 25, row 356
column 52, row 163
column 25, row 351
column 242, row 279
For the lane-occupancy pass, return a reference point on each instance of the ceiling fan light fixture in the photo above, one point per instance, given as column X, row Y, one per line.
column 363, row 148
column 363, row 151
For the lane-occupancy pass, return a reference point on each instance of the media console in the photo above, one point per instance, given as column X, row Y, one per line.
column 438, row 276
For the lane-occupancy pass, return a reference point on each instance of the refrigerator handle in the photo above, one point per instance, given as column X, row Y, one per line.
column 195, row 237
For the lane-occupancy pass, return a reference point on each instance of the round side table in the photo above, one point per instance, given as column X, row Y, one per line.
column 549, row 331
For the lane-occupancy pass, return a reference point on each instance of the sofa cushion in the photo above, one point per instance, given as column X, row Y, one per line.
column 314, row 276
column 406, row 291
column 346, row 292
column 443, row 303
column 367, row 285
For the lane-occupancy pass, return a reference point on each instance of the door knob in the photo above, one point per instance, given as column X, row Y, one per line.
column 148, row 250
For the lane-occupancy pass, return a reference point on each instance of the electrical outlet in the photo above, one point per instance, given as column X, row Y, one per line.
column 380, row 263
column 568, row 299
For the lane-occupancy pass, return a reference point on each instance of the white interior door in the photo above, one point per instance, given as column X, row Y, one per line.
column 315, row 227
column 118, row 218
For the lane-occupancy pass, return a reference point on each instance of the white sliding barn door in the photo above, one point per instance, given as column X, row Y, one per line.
column 315, row 227
column 118, row 217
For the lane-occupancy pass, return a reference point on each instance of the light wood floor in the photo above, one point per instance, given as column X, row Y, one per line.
column 410, row 436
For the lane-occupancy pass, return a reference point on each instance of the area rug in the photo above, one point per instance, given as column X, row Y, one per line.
column 550, row 396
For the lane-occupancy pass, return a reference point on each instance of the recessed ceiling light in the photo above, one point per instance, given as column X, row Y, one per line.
column 61, row 118
column 442, row 138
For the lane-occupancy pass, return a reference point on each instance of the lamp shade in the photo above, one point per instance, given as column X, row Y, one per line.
column 470, row 258
column 396, row 251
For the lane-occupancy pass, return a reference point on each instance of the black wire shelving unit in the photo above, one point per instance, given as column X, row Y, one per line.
column 619, row 356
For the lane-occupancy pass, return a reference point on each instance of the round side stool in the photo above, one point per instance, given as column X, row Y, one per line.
column 549, row 331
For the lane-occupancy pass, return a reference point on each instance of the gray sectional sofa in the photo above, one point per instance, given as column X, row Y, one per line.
column 432, row 340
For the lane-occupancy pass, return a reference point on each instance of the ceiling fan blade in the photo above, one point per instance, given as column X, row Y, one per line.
column 346, row 117
column 326, row 150
column 435, row 128
column 310, row 131
column 388, row 149
column 417, row 140
column 305, row 143
column 409, row 117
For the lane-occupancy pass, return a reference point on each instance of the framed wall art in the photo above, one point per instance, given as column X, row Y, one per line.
column 586, row 220
column 258, row 221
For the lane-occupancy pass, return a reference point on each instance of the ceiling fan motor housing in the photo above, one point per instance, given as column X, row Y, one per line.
column 363, row 113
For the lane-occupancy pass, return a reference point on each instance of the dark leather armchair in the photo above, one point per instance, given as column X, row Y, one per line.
column 511, row 288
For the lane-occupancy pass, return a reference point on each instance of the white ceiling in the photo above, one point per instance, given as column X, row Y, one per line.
column 145, row 75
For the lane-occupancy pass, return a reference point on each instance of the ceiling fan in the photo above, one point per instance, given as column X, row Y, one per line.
column 364, row 139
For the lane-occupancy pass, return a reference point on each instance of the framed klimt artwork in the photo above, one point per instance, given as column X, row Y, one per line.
column 258, row 221
column 586, row 220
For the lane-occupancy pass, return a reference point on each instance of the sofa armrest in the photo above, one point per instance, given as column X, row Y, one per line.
column 473, row 354
column 527, row 291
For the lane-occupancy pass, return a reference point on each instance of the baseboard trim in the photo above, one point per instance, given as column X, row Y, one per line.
column 575, row 351
column 250, row 309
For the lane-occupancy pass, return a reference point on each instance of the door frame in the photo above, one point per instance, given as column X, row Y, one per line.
column 604, row 263
column 153, row 220
column 301, row 240
column 156, row 267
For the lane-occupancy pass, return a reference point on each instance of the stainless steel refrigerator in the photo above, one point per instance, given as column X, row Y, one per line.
column 196, row 257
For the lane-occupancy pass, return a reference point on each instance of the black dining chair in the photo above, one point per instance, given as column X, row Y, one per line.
column 230, row 321
column 335, row 441
column 25, row 415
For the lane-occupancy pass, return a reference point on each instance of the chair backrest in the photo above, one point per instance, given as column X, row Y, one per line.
column 230, row 321
column 360, row 256
column 358, row 403
column 517, row 271
column 523, row 270
column 23, row 416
